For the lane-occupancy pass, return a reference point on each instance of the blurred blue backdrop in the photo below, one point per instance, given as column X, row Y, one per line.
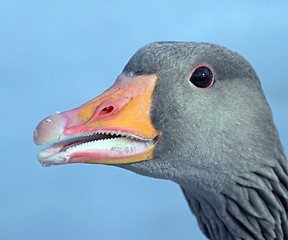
column 56, row 55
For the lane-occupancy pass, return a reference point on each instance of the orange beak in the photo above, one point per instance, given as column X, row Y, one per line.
column 113, row 128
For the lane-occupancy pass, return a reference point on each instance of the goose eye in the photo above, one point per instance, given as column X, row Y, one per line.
column 202, row 77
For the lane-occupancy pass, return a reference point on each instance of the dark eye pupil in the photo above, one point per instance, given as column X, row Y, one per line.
column 202, row 77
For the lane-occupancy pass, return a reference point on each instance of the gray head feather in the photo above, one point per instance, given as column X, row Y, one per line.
column 219, row 144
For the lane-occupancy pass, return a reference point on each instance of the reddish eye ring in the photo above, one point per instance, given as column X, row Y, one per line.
column 202, row 76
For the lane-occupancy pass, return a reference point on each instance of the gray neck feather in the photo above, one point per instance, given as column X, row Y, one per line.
column 255, row 206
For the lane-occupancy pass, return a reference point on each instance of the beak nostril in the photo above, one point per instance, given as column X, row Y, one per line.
column 106, row 110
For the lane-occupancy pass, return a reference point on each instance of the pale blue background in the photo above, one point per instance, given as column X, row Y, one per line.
column 56, row 55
